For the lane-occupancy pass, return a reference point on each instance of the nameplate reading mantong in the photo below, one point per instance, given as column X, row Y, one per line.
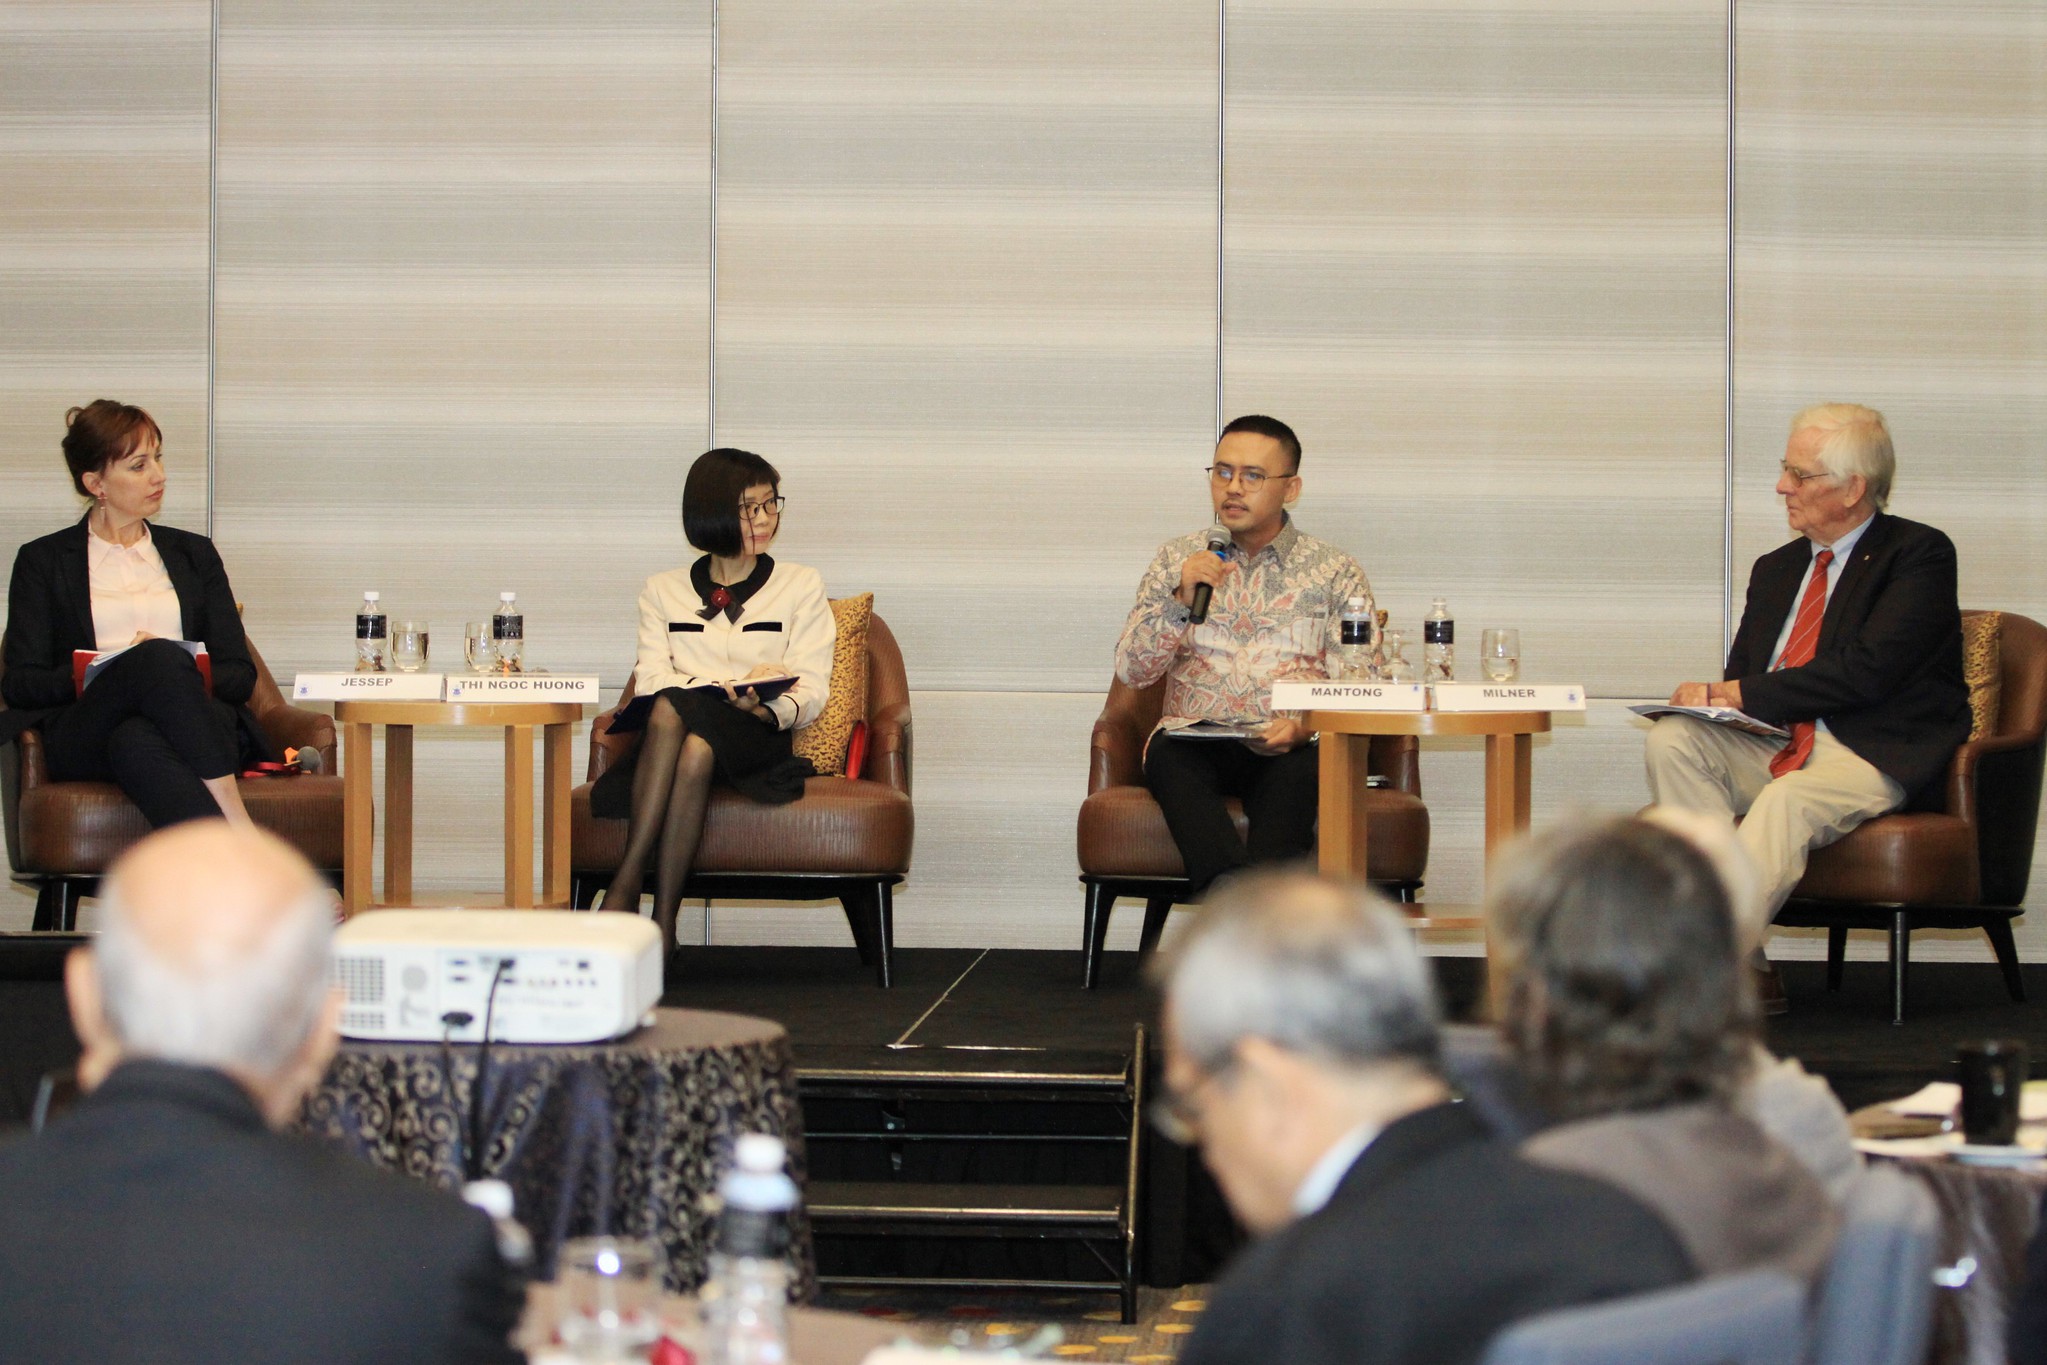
column 366, row 687
column 1315, row 695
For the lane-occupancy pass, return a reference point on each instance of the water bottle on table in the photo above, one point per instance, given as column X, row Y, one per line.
column 508, row 634
column 371, row 634
column 1439, row 644
column 746, row 1298
column 1354, row 639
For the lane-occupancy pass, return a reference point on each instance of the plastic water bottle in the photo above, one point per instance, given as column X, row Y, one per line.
column 371, row 635
column 515, row 1244
column 1439, row 644
column 508, row 634
column 746, row 1298
column 1354, row 640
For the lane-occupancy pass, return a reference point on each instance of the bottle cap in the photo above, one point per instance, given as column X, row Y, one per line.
column 494, row 1197
column 372, row 597
column 760, row 1152
column 1357, row 602
column 506, row 596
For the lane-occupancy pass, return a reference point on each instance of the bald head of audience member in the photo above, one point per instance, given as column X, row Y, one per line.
column 1617, row 981
column 1296, row 1011
column 213, row 952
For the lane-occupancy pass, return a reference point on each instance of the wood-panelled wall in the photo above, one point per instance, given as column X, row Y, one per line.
column 482, row 280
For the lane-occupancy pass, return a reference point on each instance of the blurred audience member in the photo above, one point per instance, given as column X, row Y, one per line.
column 1626, row 1005
column 163, row 1219
column 1301, row 1054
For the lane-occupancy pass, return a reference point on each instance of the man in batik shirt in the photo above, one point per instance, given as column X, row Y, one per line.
column 1276, row 598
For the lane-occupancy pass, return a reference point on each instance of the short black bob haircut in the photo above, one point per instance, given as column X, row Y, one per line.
column 1272, row 428
column 711, row 495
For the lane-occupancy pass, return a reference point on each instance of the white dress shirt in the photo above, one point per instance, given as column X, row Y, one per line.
column 130, row 592
column 1319, row 1186
column 786, row 622
column 1842, row 548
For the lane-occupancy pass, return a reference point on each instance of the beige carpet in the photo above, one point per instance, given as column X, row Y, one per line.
column 1088, row 1323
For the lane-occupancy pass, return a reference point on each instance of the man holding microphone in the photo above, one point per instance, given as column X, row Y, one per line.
column 1221, row 615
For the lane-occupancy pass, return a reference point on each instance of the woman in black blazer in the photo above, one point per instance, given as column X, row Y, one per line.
column 113, row 581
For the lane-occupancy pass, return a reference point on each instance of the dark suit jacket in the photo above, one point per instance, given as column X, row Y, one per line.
column 1887, row 674
column 49, row 614
column 1437, row 1239
column 161, row 1221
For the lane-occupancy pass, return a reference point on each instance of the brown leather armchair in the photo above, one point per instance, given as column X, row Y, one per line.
column 846, row 838
column 62, row 835
column 1964, row 866
column 1126, row 850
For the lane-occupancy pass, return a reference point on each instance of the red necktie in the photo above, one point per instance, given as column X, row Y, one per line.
column 1798, row 650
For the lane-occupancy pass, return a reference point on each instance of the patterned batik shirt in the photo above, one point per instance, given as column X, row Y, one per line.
column 1276, row 617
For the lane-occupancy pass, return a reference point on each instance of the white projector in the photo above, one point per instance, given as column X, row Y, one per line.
column 562, row 976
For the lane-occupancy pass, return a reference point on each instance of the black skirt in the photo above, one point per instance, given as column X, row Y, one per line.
column 752, row 758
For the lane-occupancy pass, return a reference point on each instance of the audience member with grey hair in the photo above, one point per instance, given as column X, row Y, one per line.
column 1624, row 1001
column 165, row 1218
column 1301, row 1043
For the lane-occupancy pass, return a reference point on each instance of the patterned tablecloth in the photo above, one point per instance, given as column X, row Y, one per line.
column 627, row 1137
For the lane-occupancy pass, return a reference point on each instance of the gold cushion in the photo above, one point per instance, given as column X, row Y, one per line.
column 824, row 740
column 1983, row 670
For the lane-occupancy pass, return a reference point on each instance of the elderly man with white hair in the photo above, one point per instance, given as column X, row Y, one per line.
column 164, row 1218
column 1301, row 1054
column 1850, row 639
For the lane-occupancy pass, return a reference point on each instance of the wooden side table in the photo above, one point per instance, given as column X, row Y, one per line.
column 519, row 720
column 1509, row 746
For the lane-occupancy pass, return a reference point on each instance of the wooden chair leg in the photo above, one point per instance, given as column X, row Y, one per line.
column 1901, row 961
column 1837, row 954
column 1998, row 929
column 885, row 931
column 1155, row 911
column 1101, row 903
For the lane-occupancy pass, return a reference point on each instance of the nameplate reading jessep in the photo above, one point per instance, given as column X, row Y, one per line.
column 1315, row 695
column 512, row 687
column 1508, row 696
column 367, row 687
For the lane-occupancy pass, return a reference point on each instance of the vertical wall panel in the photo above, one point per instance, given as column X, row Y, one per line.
column 1891, row 249
column 1474, row 252
column 103, row 239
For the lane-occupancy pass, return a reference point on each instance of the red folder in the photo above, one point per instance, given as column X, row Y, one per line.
column 81, row 659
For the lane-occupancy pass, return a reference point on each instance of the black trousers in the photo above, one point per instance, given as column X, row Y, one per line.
column 147, row 725
column 1191, row 779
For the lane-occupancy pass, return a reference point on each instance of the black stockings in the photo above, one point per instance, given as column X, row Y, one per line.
column 671, row 789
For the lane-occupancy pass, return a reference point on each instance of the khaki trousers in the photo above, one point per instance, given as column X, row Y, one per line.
column 1722, row 771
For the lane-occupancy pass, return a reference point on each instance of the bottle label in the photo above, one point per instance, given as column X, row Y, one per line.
column 1358, row 632
column 508, row 627
column 1439, row 632
column 369, row 627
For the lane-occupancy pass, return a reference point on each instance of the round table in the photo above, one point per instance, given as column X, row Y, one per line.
column 518, row 720
column 1347, row 735
column 626, row 1138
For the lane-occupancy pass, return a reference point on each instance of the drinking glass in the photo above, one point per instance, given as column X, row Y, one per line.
column 608, row 1299
column 408, row 646
column 1499, row 654
column 1398, row 669
column 1311, row 642
column 1993, row 1078
column 477, row 648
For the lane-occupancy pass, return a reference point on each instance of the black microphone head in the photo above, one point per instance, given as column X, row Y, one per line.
column 309, row 760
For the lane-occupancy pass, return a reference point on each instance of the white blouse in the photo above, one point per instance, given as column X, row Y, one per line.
column 130, row 592
column 787, row 622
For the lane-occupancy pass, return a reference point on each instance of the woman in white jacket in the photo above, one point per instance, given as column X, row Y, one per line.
column 734, row 616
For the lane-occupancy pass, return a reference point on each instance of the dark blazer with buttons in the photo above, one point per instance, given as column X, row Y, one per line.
column 49, row 614
column 161, row 1221
column 1886, row 675
column 1437, row 1238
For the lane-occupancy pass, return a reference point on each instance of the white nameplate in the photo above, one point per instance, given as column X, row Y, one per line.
column 506, row 687
column 366, row 687
column 1348, row 696
column 1509, row 696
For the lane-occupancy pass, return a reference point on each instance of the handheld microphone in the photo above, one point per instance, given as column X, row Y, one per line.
column 309, row 760
column 1219, row 546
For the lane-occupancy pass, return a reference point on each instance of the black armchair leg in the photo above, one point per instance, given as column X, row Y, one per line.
column 49, row 900
column 1101, row 903
column 885, row 931
column 1901, row 960
column 1155, row 911
column 1837, row 954
column 1998, row 929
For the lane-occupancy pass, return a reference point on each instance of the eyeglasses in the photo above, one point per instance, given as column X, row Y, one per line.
column 1176, row 1116
column 1254, row 479
column 771, row 508
column 1805, row 476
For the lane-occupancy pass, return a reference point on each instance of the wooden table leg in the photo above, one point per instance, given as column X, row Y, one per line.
column 1509, row 764
column 554, row 848
column 518, row 817
column 1340, row 815
column 397, row 815
column 357, row 831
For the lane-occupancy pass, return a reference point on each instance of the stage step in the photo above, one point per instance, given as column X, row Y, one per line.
column 1018, row 1166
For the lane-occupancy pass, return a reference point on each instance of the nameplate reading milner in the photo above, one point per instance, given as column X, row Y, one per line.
column 513, row 687
column 1316, row 695
column 367, row 687
column 1508, row 696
